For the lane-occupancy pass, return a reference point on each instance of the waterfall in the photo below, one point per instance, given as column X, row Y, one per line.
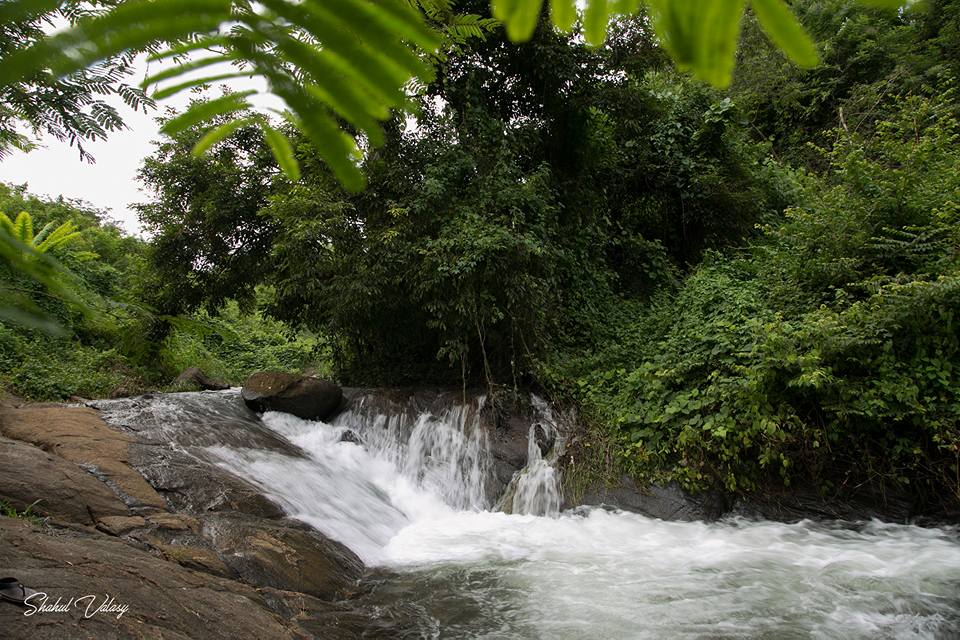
column 536, row 489
column 447, row 454
column 402, row 484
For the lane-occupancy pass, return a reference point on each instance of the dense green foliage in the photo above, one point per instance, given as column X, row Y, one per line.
column 827, row 349
column 101, row 353
column 739, row 288
column 477, row 246
column 339, row 67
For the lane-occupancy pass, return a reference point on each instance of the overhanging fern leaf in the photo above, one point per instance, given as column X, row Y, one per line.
column 282, row 151
column 203, row 111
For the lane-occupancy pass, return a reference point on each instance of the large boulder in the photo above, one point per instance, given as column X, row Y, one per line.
column 303, row 396
column 283, row 554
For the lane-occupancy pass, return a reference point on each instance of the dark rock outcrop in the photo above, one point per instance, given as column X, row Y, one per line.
column 283, row 554
column 193, row 486
column 303, row 396
column 508, row 427
column 194, row 379
column 667, row 502
column 545, row 438
column 805, row 503
column 351, row 436
column 505, row 417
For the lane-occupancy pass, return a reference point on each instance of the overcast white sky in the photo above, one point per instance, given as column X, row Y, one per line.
column 56, row 169
column 110, row 184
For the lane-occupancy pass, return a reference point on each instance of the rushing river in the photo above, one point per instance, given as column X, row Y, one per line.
column 409, row 500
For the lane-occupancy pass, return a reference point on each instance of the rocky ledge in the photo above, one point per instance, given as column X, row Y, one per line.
column 190, row 552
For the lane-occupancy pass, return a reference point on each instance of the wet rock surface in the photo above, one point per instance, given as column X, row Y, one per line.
column 283, row 554
column 805, row 503
column 78, row 435
column 545, row 439
column 667, row 502
column 136, row 510
column 163, row 599
column 194, row 486
column 303, row 396
column 51, row 486
column 351, row 436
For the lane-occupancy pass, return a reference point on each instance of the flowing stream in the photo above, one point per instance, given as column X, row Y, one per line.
column 406, row 493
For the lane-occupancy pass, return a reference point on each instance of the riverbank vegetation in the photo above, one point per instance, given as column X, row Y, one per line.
column 737, row 287
column 98, row 348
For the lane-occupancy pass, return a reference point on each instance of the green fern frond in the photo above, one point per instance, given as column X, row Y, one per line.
column 23, row 228
column 63, row 235
column 6, row 224
column 348, row 62
column 47, row 228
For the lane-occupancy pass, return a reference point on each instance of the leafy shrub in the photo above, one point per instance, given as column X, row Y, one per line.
column 824, row 353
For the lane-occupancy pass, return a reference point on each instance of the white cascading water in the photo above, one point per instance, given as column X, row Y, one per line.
column 536, row 488
column 411, row 499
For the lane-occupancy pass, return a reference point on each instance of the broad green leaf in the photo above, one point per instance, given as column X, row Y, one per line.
column 564, row 14
column 391, row 18
column 24, row 9
column 209, row 42
column 785, row 30
column 47, row 228
column 519, row 17
column 216, row 134
column 595, row 22
column 382, row 77
column 345, row 98
column 6, row 224
column 23, row 228
column 283, row 152
column 131, row 25
column 203, row 111
column 700, row 36
column 336, row 148
column 625, row 7
column 382, row 34
column 20, row 310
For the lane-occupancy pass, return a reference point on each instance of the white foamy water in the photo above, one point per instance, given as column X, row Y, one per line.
column 411, row 500
column 538, row 484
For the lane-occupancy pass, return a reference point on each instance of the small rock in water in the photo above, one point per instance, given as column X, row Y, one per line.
column 545, row 439
column 351, row 436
